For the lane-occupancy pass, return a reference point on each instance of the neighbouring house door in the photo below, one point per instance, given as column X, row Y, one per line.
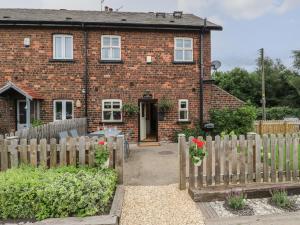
column 143, row 122
column 21, row 114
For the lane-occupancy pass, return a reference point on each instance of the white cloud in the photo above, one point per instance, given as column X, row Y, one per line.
column 238, row 9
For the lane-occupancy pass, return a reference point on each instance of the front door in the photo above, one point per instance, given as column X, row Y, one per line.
column 21, row 114
column 148, row 123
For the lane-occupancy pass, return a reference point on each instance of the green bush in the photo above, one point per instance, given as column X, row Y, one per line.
column 188, row 132
column 239, row 121
column 130, row 109
column 280, row 198
column 101, row 155
column 279, row 113
column 236, row 200
column 37, row 193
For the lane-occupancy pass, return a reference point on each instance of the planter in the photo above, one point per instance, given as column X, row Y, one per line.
column 198, row 163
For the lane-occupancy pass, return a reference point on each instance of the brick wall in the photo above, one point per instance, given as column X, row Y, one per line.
column 127, row 81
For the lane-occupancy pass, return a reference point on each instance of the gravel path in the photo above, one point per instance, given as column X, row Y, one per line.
column 159, row 205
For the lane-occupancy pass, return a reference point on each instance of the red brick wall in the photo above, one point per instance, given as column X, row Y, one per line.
column 7, row 116
column 126, row 81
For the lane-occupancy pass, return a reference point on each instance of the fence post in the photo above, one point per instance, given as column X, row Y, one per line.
column 110, row 148
column 182, row 161
column 191, row 167
column 120, row 158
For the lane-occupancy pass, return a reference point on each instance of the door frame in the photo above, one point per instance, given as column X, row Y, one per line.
column 154, row 101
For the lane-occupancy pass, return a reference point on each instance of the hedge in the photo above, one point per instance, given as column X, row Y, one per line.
column 37, row 193
column 279, row 113
column 237, row 121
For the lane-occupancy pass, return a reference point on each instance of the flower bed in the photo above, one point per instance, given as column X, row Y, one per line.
column 36, row 193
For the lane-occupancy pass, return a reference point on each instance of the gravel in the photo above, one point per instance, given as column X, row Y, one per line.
column 159, row 205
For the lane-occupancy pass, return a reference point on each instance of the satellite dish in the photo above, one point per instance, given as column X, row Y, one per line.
column 216, row 64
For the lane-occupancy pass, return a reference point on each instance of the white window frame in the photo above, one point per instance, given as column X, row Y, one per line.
column 185, row 109
column 64, row 106
column 112, row 110
column 63, row 47
column 183, row 49
column 110, row 47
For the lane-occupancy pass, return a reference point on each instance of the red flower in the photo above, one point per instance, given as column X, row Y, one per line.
column 195, row 140
column 101, row 142
column 200, row 144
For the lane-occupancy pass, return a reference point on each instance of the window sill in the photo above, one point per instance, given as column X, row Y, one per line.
column 112, row 122
column 62, row 60
column 111, row 61
column 184, row 63
column 184, row 122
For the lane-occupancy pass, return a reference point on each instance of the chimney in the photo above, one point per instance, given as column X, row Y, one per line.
column 110, row 9
column 177, row 14
column 106, row 8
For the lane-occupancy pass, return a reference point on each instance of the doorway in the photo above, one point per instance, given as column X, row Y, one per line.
column 21, row 114
column 148, row 122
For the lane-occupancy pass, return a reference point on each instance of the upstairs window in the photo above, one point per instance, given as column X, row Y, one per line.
column 111, row 110
column 183, row 51
column 110, row 47
column 62, row 46
column 183, row 110
column 63, row 110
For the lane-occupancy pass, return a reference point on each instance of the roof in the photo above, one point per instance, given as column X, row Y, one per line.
column 89, row 18
column 21, row 89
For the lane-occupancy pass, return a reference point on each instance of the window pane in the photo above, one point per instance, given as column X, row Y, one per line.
column 58, row 110
column 106, row 41
column 107, row 105
column 116, row 105
column 69, row 47
column 69, row 110
column 183, row 105
column 107, row 115
column 115, row 42
column 179, row 55
column 58, row 47
column 115, row 53
column 179, row 43
column 117, row 115
column 188, row 55
column 183, row 115
column 105, row 53
column 187, row 43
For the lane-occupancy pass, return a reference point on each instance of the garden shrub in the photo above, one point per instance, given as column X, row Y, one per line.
column 279, row 113
column 239, row 121
column 280, row 198
column 188, row 132
column 37, row 193
column 236, row 200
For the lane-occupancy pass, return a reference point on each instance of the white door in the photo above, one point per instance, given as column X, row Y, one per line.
column 143, row 122
column 21, row 114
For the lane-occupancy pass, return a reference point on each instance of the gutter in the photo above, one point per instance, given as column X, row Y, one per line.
column 202, row 32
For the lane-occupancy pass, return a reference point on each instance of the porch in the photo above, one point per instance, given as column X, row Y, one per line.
column 21, row 106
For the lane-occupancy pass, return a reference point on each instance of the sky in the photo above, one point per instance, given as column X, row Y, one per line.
column 248, row 25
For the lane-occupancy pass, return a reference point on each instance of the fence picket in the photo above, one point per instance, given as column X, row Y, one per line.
column 227, row 159
column 209, row 162
column 4, row 155
column 258, row 158
column 120, row 158
column 63, row 152
column 288, row 144
column 14, row 161
column 266, row 146
column 295, row 158
column 33, row 152
column 242, row 159
column 273, row 158
column 250, row 160
column 217, row 160
column 280, row 157
column 43, row 153
column 72, row 151
column 234, row 158
column 53, row 152
column 82, row 151
column 110, row 148
column 23, row 151
column 200, row 178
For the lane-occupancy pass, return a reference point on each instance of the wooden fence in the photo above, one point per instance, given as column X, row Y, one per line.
column 276, row 127
column 232, row 161
column 51, row 130
column 71, row 151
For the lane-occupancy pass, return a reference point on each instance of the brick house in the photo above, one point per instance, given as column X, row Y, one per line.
column 61, row 64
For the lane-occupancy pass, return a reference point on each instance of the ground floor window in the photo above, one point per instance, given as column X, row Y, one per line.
column 183, row 110
column 63, row 110
column 111, row 110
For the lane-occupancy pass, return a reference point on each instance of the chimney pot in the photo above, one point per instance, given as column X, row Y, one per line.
column 110, row 9
column 106, row 8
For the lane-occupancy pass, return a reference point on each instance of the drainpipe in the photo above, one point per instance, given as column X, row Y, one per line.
column 86, row 75
column 202, row 73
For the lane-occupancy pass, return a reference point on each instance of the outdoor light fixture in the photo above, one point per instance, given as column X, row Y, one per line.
column 26, row 42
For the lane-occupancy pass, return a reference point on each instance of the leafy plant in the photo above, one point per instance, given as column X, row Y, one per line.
column 189, row 132
column 130, row 109
column 196, row 150
column 280, row 198
column 236, row 200
column 239, row 121
column 36, row 123
column 279, row 113
column 101, row 154
column 38, row 193
column 165, row 104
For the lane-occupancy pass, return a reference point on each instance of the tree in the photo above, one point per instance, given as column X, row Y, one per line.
column 296, row 55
